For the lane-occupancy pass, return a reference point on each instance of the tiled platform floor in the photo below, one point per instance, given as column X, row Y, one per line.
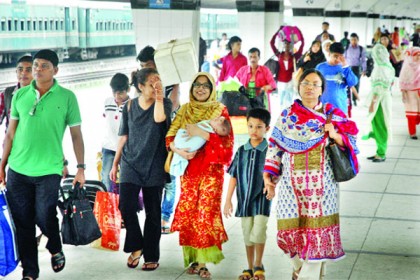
column 380, row 220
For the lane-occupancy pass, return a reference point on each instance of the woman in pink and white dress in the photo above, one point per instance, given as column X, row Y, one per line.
column 308, row 221
column 410, row 88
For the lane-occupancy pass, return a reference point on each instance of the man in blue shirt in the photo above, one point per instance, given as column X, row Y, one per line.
column 356, row 58
column 339, row 77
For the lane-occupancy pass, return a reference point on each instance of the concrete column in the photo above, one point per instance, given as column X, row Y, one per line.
column 153, row 26
column 387, row 21
column 335, row 25
column 359, row 24
column 258, row 22
column 372, row 24
column 309, row 22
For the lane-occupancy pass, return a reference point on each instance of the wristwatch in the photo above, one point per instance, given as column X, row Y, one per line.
column 81, row 165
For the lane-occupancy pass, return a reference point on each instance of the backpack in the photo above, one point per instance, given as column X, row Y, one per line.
column 8, row 95
column 369, row 66
column 369, row 62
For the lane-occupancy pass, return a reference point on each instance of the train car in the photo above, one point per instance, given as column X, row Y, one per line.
column 78, row 30
column 105, row 29
column 28, row 25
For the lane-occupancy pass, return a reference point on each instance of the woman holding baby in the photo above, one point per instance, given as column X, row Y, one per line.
column 198, row 215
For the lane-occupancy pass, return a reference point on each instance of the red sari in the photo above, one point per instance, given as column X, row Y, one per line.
column 198, row 216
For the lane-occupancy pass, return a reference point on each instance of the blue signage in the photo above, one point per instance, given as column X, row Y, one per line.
column 159, row 4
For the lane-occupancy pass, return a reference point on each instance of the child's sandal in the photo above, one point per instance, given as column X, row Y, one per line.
column 259, row 273
column 295, row 274
column 247, row 274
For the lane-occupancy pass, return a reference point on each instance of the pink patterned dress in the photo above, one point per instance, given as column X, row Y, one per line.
column 307, row 207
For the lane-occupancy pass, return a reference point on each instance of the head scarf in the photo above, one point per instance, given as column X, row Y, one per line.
column 300, row 129
column 410, row 72
column 382, row 72
column 327, row 54
column 195, row 111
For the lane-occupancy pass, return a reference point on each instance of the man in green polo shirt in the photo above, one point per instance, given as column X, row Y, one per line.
column 33, row 150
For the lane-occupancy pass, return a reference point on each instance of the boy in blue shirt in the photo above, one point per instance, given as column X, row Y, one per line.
column 339, row 77
column 253, row 204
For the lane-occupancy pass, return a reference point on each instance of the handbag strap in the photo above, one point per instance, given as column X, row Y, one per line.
column 329, row 118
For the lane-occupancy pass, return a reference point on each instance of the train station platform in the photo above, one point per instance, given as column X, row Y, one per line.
column 380, row 224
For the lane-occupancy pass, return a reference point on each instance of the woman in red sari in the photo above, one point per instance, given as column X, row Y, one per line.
column 198, row 214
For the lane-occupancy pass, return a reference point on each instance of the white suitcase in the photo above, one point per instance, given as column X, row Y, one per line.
column 176, row 61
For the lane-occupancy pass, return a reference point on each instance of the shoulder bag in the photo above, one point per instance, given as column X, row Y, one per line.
column 341, row 165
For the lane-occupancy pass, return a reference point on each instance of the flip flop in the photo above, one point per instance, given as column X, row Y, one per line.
column 150, row 266
column 133, row 260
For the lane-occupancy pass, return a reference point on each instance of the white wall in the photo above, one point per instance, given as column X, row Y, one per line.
column 272, row 23
column 359, row 26
column 310, row 27
column 153, row 27
column 256, row 30
column 251, row 31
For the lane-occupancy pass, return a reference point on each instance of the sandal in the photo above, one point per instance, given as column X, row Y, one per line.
column 295, row 274
column 247, row 274
column 131, row 264
column 193, row 268
column 259, row 273
column 150, row 266
column 204, row 273
column 58, row 261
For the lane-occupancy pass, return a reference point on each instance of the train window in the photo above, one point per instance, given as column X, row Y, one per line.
column 56, row 24
column 28, row 25
column 16, row 25
column 22, row 25
column 9, row 25
column 113, row 26
column 61, row 25
column 34, row 25
column 73, row 25
column 97, row 26
column 101, row 25
column 45, row 25
column 131, row 26
column 40, row 25
column 3, row 25
column 51, row 24
column 109, row 25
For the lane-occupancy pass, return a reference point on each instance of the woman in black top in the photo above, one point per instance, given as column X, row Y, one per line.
column 312, row 58
column 141, row 154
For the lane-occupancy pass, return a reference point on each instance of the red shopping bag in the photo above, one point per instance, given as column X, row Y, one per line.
column 109, row 220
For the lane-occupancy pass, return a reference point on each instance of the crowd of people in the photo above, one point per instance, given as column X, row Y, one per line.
column 317, row 89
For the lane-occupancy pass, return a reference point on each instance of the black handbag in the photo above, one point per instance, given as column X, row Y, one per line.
column 341, row 165
column 273, row 64
column 238, row 103
column 79, row 226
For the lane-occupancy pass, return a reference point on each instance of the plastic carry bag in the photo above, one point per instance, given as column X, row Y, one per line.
column 109, row 220
column 9, row 257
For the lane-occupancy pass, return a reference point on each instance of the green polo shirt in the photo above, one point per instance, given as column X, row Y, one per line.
column 37, row 145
